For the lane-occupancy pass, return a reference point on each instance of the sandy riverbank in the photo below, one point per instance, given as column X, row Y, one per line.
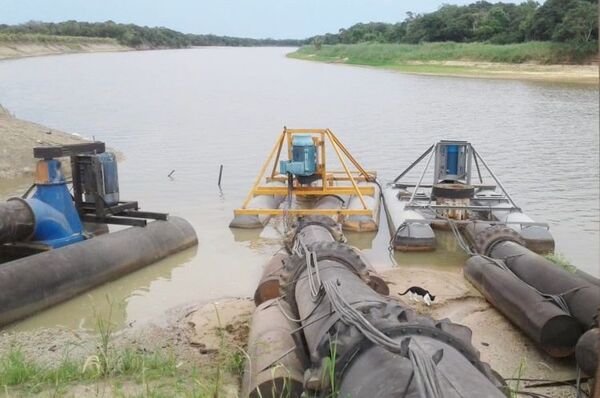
column 9, row 50
column 17, row 140
column 201, row 336
column 574, row 74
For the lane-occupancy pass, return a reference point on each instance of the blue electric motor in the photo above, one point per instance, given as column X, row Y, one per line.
column 304, row 162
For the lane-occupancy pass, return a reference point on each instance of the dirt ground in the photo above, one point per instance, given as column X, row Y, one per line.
column 17, row 140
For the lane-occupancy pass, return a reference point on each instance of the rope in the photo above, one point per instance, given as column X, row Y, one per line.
column 424, row 368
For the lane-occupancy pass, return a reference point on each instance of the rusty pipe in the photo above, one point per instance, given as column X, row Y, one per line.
column 269, row 284
column 274, row 368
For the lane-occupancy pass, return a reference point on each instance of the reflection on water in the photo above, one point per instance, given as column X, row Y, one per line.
column 193, row 110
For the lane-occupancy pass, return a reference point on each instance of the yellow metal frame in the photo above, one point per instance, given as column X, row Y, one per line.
column 327, row 177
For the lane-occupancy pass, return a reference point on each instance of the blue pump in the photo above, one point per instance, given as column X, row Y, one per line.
column 57, row 222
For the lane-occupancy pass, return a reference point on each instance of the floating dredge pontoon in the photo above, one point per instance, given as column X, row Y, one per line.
column 323, row 316
column 453, row 199
column 350, row 195
column 54, row 246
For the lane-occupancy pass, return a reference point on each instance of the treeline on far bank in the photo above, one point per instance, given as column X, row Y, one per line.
column 571, row 22
column 136, row 36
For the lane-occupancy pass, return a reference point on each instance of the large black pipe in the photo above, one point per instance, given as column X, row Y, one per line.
column 581, row 296
column 16, row 221
column 587, row 351
column 543, row 321
column 30, row 284
column 363, row 368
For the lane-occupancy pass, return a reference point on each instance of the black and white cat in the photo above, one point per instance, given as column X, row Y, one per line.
column 417, row 293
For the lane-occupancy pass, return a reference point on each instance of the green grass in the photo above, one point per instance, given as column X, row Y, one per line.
column 561, row 261
column 21, row 38
column 126, row 372
column 379, row 54
column 155, row 374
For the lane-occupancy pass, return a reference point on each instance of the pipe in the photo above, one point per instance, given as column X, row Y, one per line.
column 30, row 284
column 17, row 221
column 587, row 351
column 544, row 322
column 582, row 297
column 274, row 368
column 268, row 286
column 363, row 368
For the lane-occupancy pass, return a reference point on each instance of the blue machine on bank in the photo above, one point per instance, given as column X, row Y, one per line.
column 48, row 216
column 55, row 242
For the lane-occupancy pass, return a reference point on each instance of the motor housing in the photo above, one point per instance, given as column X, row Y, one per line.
column 304, row 162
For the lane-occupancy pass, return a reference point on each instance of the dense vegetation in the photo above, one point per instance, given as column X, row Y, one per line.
column 401, row 55
column 136, row 36
column 573, row 21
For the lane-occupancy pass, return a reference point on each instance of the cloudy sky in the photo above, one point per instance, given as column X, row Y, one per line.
column 248, row 18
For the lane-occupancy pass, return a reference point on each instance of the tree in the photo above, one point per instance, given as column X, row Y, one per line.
column 580, row 24
column 548, row 17
column 494, row 23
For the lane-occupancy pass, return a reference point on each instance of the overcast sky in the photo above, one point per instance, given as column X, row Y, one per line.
column 248, row 18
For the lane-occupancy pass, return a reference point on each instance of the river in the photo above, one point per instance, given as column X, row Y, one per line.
column 192, row 110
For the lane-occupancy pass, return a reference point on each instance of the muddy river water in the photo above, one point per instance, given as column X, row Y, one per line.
column 192, row 110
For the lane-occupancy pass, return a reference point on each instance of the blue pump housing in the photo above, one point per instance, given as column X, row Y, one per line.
column 304, row 157
column 57, row 222
column 452, row 159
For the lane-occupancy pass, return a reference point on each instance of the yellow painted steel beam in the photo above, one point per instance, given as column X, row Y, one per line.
column 274, row 172
column 347, row 170
column 337, row 141
column 304, row 212
column 307, row 191
column 306, row 131
column 262, row 169
column 281, row 178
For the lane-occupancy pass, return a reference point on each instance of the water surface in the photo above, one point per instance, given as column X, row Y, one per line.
column 192, row 110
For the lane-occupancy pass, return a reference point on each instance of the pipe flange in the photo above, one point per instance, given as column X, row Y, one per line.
column 323, row 221
column 491, row 236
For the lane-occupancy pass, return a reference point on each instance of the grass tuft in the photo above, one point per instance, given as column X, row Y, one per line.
column 560, row 260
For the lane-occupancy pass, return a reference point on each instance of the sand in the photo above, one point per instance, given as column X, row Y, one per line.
column 28, row 49
column 581, row 74
column 17, row 140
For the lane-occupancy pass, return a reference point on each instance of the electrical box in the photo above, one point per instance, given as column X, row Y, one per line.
column 99, row 178
column 304, row 160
